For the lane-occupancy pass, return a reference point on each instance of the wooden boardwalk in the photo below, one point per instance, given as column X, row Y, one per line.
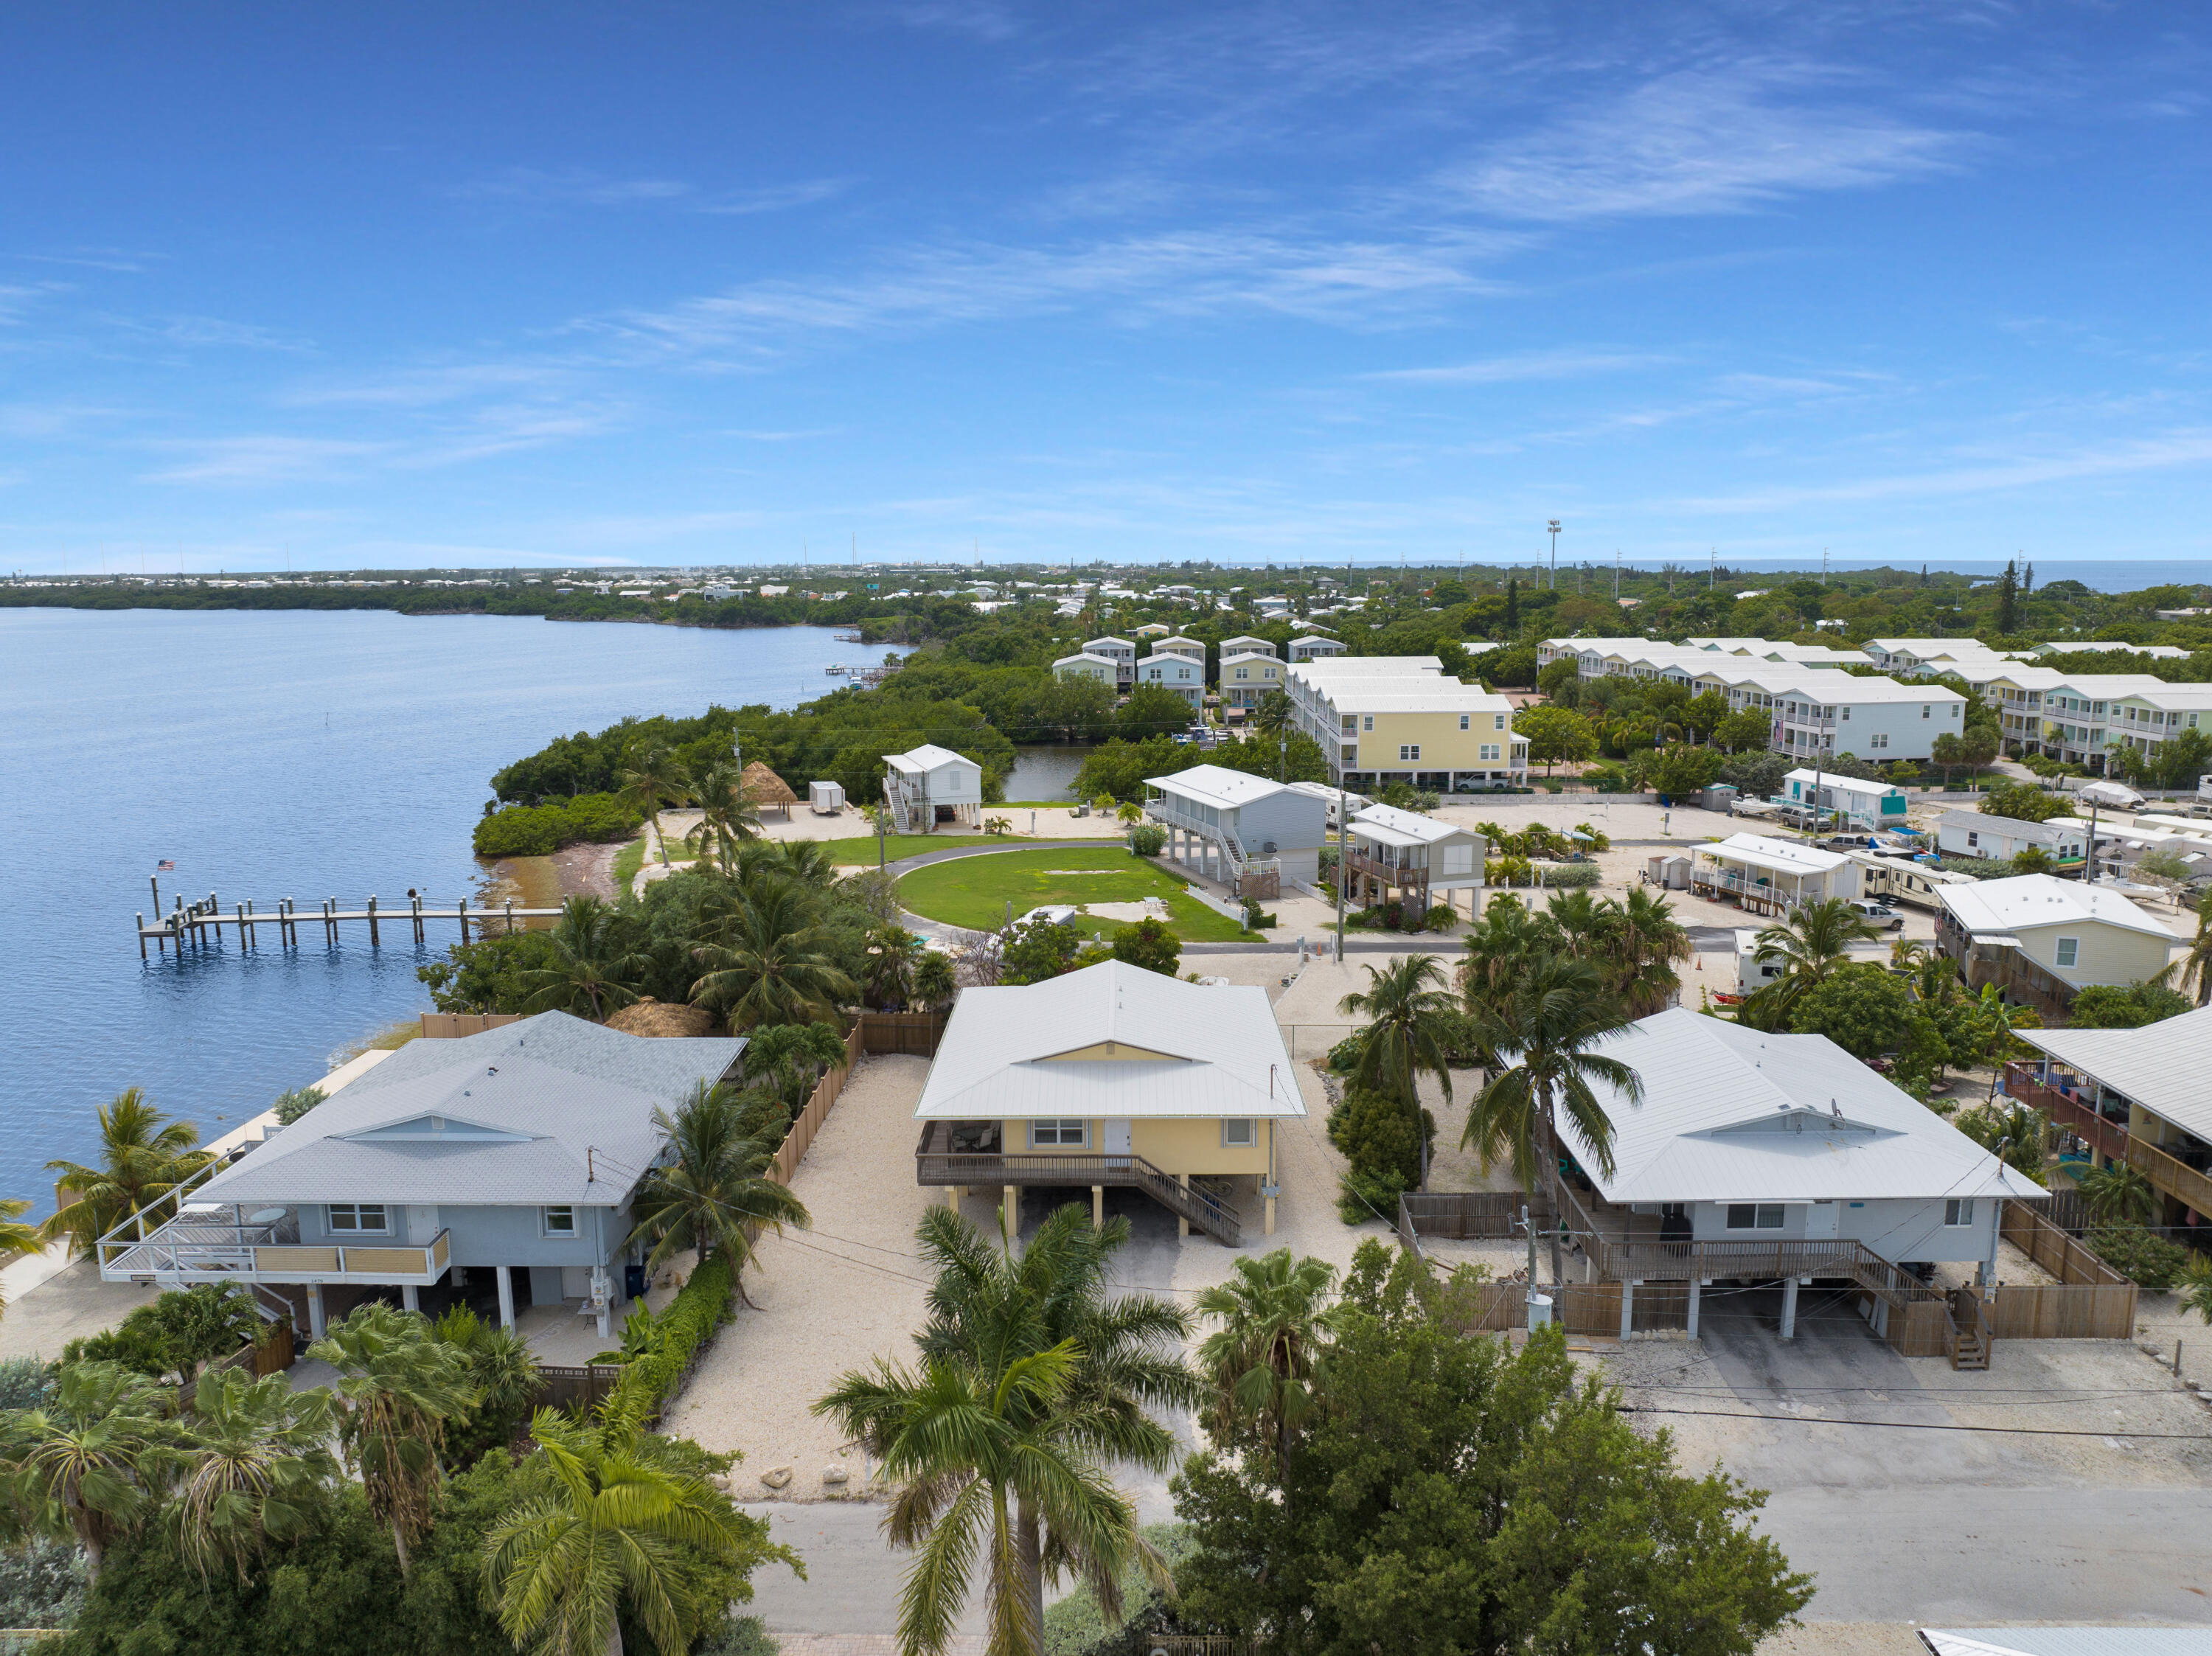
column 198, row 924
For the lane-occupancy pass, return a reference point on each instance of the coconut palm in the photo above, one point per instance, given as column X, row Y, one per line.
column 934, row 984
column 2196, row 974
column 888, row 976
column 84, row 1466
column 769, row 962
column 649, row 781
column 727, row 815
column 1644, row 942
column 397, row 1387
column 1409, row 1031
column 1031, row 1381
column 1274, row 1328
column 2118, row 1194
column 253, row 1465
column 2018, row 1136
column 2194, row 1288
column 713, row 1193
column 596, row 967
column 1813, row 941
column 1547, row 1033
column 562, row 1567
column 17, row 1240
column 143, row 1157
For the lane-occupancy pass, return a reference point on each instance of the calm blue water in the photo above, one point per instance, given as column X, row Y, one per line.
column 270, row 755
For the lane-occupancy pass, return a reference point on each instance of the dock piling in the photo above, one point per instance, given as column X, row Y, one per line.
column 373, row 938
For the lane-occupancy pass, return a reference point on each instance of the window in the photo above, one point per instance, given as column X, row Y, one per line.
column 358, row 1218
column 1878, row 739
column 1075, row 1133
column 1755, row 1216
column 560, row 1221
column 1367, row 722
column 1972, row 840
column 2069, row 951
column 1409, row 752
column 1847, row 715
column 1240, row 1135
column 1959, row 1211
column 1244, row 672
column 1923, row 710
column 1466, row 721
column 1497, row 721
column 1490, row 750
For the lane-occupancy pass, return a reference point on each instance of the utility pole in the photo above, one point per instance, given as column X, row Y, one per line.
column 1343, row 830
column 1616, row 574
column 1554, row 532
column 1824, row 566
column 1713, row 567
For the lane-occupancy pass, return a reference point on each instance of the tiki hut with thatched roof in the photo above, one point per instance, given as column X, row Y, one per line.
column 649, row 1016
column 768, row 790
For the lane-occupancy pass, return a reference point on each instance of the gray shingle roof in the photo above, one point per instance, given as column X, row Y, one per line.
column 550, row 1111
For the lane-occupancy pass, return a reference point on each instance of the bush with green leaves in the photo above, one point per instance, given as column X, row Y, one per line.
column 175, row 1335
column 1075, row 1626
column 2115, row 1006
column 1149, row 944
column 1382, row 1140
column 292, row 1105
column 539, row 830
column 25, row 1383
column 41, row 1584
column 653, row 1375
column 2150, row 1261
column 1148, row 839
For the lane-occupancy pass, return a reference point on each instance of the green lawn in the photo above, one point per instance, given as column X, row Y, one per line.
column 974, row 891
column 895, row 845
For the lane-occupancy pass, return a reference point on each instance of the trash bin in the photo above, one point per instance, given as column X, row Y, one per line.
column 632, row 1282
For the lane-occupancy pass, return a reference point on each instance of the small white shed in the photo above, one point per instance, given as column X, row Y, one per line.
column 825, row 798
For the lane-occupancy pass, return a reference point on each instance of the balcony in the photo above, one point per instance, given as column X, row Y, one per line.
column 2108, row 1138
column 214, row 1242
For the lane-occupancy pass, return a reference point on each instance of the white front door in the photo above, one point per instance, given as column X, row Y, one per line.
column 1114, row 1140
column 421, row 1225
column 1820, row 1222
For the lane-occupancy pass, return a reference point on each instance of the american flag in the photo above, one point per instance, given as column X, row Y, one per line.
column 166, row 865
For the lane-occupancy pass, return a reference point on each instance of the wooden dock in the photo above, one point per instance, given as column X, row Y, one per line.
column 198, row 924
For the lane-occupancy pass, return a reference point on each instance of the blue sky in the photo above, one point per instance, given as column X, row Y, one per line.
column 432, row 285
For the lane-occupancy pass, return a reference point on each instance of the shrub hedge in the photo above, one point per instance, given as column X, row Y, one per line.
column 536, row 830
column 651, row 1378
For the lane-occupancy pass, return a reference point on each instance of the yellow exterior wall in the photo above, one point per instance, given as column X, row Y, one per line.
column 1191, row 1145
column 2109, row 954
column 1444, row 746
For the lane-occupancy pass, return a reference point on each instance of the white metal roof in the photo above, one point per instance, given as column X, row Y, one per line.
column 2026, row 901
column 1217, row 785
column 927, row 757
column 1780, row 856
column 1843, row 784
column 1203, row 1051
column 1268, row 656
column 2130, row 1640
column 2166, row 1066
column 1393, row 827
column 1085, row 655
column 1730, row 1113
column 1121, row 643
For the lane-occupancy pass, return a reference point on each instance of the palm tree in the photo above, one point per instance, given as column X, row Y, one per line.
column 649, row 782
column 2197, row 965
column 1812, row 943
column 2018, row 1136
column 253, row 1466
column 1579, row 921
column 503, row 1372
column 2194, row 1290
column 1547, row 1030
column 2118, row 1194
column 1408, row 1031
column 1030, row 1380
column 560, row 1567
column 596, row 967
column 17, row 1240
column 141, row 1161
column 1261, row 1360
column 727, row 815
column 83, row 1466
column 1645, row 941
column 934, row 983
column 1496, row 950
column 889, row 974
column 772, row 964
column 399, row 1385
column 713, row 1193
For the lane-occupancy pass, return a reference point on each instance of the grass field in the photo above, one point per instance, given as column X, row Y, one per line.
column 844, row 852
column 974, row 891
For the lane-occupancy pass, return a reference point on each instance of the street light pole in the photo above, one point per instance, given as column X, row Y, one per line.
column 1555, row 532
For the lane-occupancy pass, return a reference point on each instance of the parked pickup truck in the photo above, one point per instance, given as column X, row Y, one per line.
column 1878, row 915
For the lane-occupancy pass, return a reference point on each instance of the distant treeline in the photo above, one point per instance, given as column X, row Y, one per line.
column 893, row 620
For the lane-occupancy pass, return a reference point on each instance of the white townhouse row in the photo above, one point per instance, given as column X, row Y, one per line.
column 1381, row 720
column 2081, row 718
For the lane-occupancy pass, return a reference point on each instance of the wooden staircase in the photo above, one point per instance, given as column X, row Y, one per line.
column 1972, row 1338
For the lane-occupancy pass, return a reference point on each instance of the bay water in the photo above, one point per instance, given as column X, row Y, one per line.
column 295, row 754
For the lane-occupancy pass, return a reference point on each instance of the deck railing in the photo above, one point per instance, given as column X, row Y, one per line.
column 937, row 1164
column 2108, row 1138
column 190, row 1249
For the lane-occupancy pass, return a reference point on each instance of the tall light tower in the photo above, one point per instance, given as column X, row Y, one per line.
column 1555, row 554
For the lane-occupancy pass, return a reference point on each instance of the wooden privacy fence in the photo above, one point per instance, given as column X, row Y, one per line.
column 452, row 1026
column 1579, row 1308
column 810, row 1119
column 913, row 1034
column 2091, row 1301
column 1464, row 1216
column 561, row 1385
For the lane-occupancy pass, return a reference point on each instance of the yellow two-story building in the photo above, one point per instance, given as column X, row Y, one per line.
column 1381, row 720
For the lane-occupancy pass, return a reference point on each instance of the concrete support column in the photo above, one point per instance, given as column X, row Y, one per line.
column 952, row 1198
column 1789, row 1309
column 1098, row 1207
column 1694, row 1286
column 1627, row 1308
column 315, row 1326
column 1182, row 1225
column 505, row 1275
column 1010, row 1197
column 1268, row 1227
column 410, row 1299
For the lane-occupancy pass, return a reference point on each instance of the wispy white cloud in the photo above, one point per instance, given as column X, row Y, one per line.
column 119, row 259
column 531, row 186
column 2187, row 447
column 260, row 459
column 1699, row 142
column 988, row 21
column 1528, row 365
